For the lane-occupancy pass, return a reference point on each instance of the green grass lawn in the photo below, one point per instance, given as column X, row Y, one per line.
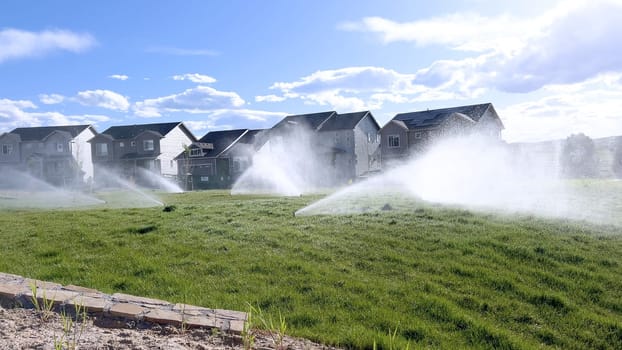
column 444, row 278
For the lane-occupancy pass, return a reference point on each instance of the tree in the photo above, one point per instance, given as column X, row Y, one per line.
column 578, row 158
column 617, row 158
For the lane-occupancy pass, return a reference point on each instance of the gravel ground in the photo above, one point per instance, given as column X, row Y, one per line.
column 25, row 329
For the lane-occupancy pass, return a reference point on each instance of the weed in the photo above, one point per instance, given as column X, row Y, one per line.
column 72, row 329
column 43, row 308
column 184, row 322
column 266, row 322
column 248, row 334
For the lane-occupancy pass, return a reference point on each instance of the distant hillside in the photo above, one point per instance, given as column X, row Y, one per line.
column 547, row 154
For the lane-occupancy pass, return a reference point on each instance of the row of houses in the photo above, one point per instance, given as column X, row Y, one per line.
column 348, row 146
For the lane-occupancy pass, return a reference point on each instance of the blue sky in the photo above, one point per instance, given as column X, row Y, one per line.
column 551, row 68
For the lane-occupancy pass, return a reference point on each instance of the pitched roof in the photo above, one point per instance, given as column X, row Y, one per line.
column 434, row 117
column 250, row 136
column 221, row 140
column 41, row 132
column 345, row 121
column 312, row 120
column 131, row 131
column 252, row 139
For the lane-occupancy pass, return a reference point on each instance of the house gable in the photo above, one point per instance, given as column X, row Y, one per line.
column 394, row 140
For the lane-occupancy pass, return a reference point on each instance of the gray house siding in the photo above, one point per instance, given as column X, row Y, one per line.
column 456, row 125
column 148, row 145
column 9, row 149
column 366, row 147
column 390, row 152
column 489, row 125
column 334, row 153
column 205, row 173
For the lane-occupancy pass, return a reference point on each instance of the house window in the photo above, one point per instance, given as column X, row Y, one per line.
column 7, row 149
column 417, row 135
column 195, row 152
column 204, row 178
column 121, row 144
column 132, row 143
column 59, row 147
column 101, row 149
column 394, row 141
column 172, row 163
column 148, row 145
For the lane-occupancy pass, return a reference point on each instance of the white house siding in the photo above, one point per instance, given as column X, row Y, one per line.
column 170, row 147
column 81, row 151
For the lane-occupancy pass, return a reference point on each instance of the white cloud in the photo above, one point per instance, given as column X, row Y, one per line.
column 20, row 114
column 104, row 99
column 461, row 31
column 593, row 107
column 199, row 127
column 118, row 76
column 51, row 99
column 15, row 44
column 176, row 51
column 570, row 43
column 12, row 113
column 350, row 79
column 196, row 100
column 270, row 98
column 195, row 78
column 247, row 114
column 360, row 88
column 349, row 88
column 224, row 119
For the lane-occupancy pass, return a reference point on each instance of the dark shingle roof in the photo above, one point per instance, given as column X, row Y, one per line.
column 252, row 139
column 345, row 121
column 221, row 140
column 40, row 133
column 131, row 131
column 312, row 121
column 433, row 118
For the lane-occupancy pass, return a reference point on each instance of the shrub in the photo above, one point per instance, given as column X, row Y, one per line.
column 578, row 158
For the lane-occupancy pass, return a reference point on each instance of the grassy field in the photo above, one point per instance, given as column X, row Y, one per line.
column 444, row 278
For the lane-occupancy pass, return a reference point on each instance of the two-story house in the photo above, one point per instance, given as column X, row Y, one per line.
column 135, row 151
column 59, row 155
column 410, row 133
column 217, row 159
column 338, row 147
column 356, row 143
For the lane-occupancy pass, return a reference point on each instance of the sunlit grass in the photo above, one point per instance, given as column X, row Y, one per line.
column 444, row 278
